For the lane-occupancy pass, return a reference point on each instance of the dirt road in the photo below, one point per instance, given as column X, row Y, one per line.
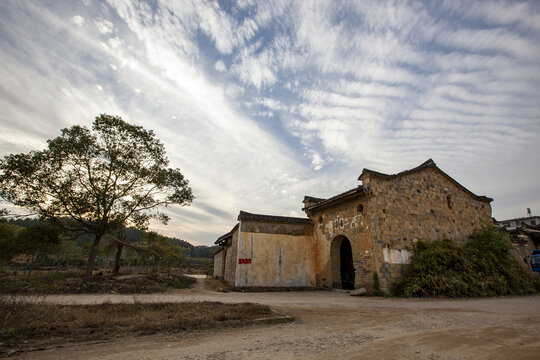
column 334, row 325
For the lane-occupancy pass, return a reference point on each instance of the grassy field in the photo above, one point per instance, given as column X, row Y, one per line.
column 26, row 327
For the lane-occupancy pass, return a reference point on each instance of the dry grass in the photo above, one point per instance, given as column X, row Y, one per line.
column 217, row 285
column 70, row 282
column 46, row 324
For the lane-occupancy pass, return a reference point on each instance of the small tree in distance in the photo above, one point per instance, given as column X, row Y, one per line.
column 96, row 180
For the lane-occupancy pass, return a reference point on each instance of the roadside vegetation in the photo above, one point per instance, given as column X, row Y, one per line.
column 483, row 266
column 38, row 258
column 71, row 282
column 25, row 327
column 217, row 284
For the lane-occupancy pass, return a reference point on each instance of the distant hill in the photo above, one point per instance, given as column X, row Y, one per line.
column 132, row 236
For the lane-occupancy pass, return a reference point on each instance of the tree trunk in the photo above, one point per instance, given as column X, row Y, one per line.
column 92, row 259
column 119, row 248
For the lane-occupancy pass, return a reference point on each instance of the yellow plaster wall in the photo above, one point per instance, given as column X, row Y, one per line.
column 231, row 259
column 277, row 260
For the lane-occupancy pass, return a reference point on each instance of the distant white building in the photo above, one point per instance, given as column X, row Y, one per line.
column 513, row 224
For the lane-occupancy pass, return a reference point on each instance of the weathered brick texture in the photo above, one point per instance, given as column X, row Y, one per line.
column 383, row 219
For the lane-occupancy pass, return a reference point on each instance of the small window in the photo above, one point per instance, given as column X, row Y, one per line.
column 320, row 219
column 360, row 208
column 449, row 201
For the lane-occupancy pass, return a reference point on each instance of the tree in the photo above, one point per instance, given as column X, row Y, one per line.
column 161, row 250
column 96, row 180
column 35, row 242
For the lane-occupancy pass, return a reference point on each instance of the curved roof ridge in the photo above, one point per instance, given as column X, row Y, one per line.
column 426, row 164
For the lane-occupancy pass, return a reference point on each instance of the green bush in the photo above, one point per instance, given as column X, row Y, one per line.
column 483, row 266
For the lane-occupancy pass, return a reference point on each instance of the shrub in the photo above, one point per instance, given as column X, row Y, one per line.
column 483, row 266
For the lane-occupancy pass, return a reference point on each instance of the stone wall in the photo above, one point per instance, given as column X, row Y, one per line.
column 424, row 205
column 382, row 220
column 347, row 219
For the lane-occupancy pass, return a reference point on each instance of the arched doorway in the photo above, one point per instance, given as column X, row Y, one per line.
column 342, row 263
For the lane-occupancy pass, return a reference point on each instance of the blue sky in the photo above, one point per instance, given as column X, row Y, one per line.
column 262, row 102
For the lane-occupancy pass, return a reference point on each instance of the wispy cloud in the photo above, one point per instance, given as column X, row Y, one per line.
column 260, row 103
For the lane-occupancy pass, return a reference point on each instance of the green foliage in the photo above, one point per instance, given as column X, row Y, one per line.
column 8, row 242
column 96, row 180
column 30, row 244
column 202, row 251
column 160, row 249
column 483, row 266
column 36, row 242
column 112, row 174
column 183, row 282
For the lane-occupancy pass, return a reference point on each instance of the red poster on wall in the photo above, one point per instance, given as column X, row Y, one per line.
column 244, row 261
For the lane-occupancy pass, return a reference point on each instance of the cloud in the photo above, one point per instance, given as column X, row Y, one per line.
column 260, row 103
column 220, row 66
column 105, row 27
column 77, row 20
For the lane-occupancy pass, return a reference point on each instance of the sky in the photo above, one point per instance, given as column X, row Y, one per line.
column 262, row 102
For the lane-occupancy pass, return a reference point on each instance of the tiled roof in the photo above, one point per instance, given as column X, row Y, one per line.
column 271, row 218
column 224, row 237
column 520, row 218
column 424, row 165
column 343, row 196
column 312, row 199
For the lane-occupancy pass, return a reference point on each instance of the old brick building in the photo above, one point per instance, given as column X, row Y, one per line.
column 348, row 237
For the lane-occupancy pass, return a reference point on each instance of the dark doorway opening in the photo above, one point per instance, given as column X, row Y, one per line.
column 347, row 267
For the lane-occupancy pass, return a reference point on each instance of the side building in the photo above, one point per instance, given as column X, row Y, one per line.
column 266, row 252
column 345, row 239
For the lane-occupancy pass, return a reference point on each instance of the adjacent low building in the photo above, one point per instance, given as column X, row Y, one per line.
column 513, row 224
column 346, row 239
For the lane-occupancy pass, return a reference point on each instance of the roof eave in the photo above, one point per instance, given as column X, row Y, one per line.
column 358, row 191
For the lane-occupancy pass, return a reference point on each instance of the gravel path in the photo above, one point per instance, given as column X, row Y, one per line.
column 332, row 325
